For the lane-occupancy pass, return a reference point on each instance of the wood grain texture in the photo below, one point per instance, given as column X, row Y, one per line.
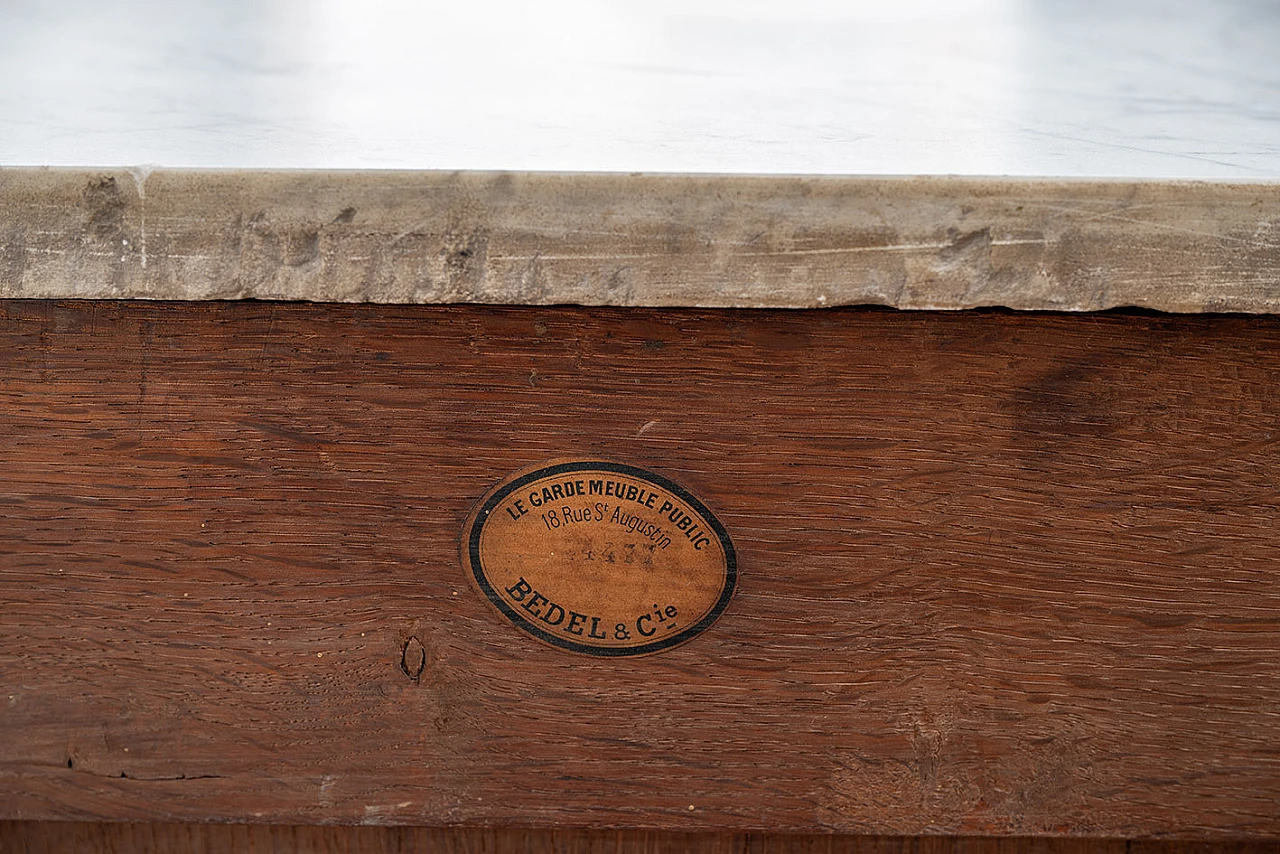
column 45, row 837
column 640, row 240
column 999, row 574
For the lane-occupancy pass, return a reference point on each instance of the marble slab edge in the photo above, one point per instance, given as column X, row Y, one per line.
column 640, row 239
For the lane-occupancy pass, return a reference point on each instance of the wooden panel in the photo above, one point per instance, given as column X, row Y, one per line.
column 998, row 574
column 41, row 837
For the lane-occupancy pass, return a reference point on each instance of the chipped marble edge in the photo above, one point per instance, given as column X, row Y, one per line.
column 710, row 241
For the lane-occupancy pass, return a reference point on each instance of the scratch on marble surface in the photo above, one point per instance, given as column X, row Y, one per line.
column 1114, row 216
column 140, row 175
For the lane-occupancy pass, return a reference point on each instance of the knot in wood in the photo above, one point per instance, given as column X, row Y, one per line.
column 413, row 658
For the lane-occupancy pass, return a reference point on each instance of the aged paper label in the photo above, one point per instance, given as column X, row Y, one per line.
column 601, row 558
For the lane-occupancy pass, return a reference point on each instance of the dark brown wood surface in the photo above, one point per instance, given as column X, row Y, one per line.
column 56, row 837
column 999, row 574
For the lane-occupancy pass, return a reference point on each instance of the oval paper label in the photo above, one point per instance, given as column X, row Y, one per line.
column 601, row 558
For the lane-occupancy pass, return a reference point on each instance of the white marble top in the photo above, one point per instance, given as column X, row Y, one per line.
column 1157, row 89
